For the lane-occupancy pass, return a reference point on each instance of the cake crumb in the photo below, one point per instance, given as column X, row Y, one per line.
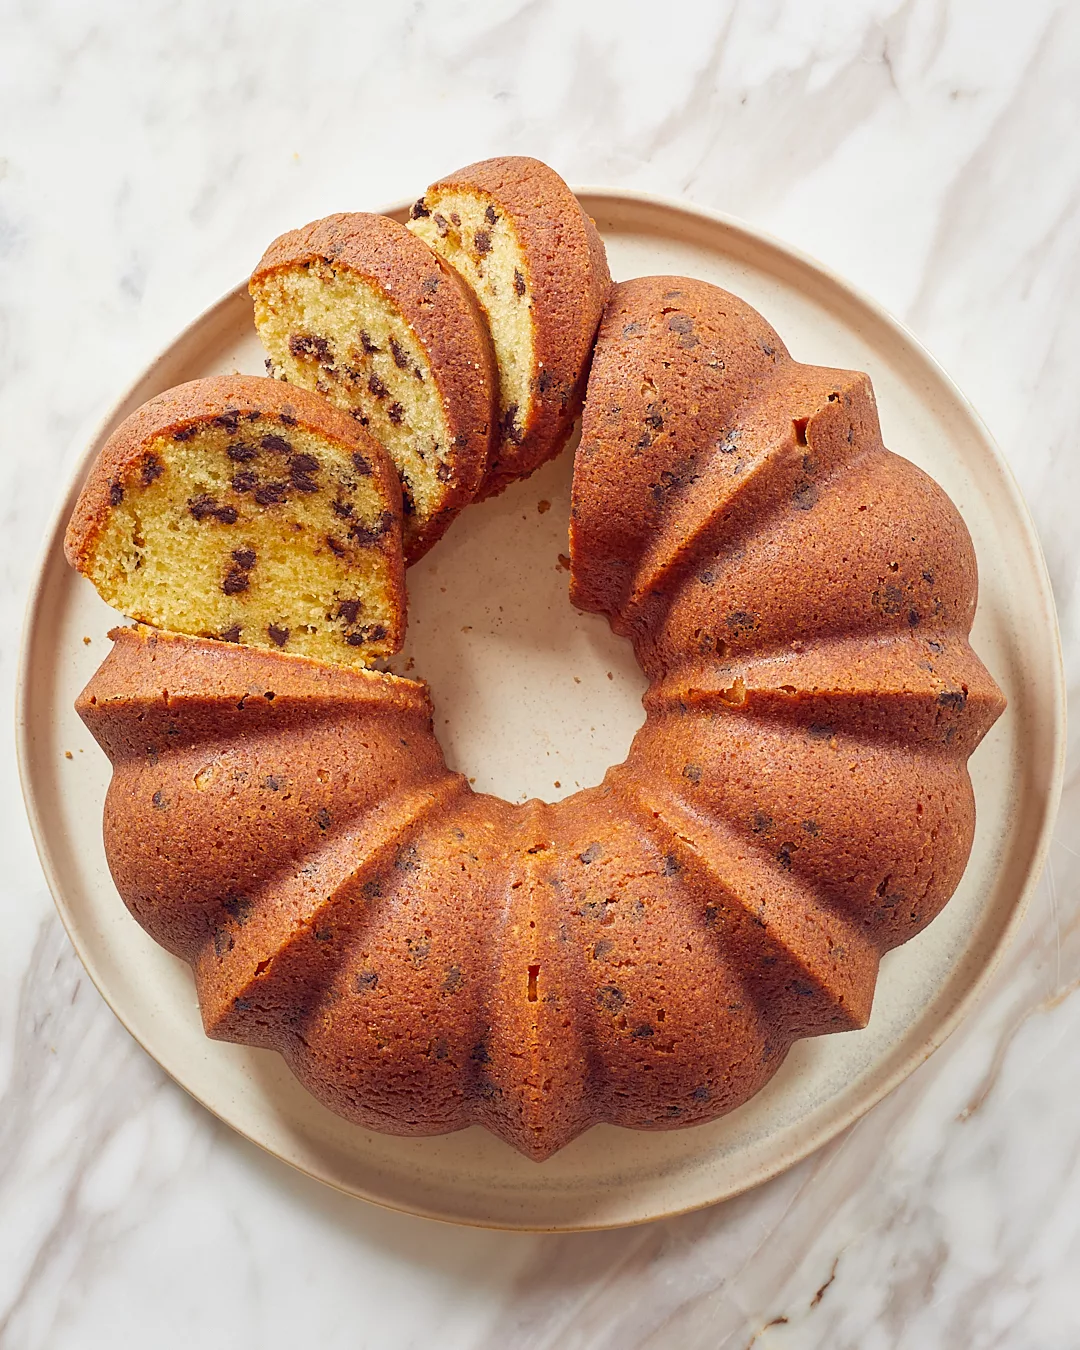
column 467, row 628
column 543, row 506
column 68, row 754
column 564, row 562
column 577, row 679
column 610, row 676
column 472, row 780
column 86, row 642
column 557, row 783
column 410, row 664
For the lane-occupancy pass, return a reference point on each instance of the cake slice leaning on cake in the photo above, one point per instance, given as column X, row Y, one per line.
column 521, row 241
column 355, row 308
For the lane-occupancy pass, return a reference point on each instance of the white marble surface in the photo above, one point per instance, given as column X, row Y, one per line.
column 930, row 151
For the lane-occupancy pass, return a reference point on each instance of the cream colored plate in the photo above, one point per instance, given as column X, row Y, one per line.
column 535, row 699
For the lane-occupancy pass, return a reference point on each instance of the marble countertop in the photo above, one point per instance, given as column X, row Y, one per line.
column 928, row 150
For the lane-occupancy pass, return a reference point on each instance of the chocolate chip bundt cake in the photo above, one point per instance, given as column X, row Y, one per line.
column 519, row 238
column 241, row 509
column 644, row 952
column 358, row 309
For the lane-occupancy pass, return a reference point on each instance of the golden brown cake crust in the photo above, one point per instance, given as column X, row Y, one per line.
column 569, row 282
column 442, row 312
column 642, row 953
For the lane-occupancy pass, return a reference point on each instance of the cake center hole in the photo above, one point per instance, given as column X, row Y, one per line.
column 532, row 698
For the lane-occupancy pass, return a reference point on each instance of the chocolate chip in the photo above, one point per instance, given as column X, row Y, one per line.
column 342, row 509
column 692, row 772
column 544, row 381
column 818, row 731
column 310, row 347
column 452, row 980
column 376, row 633
column 287, row 417
column 229, row 420
column 360, row 464
column 376, row 386
column 355, row 639
column 519, row 283
column 278, row 636
column 508, row 424
column 591, row 854
column 366, row 981
column 729, row 442
column 244, row 481
column 152, row 468
column 238, row 907
column 489, row 214
column 610, row 997
column 159, row 801
column 270, row 494
column 740, row 622
column 301, row 467
column 322, row 818
column 443, row 472
column 400, row 355
column 482, row 241
column 681, row 323
column 235, row 581
column 244, row 557
column 761, row 823
column 337, row 548
column 349, row 610
column 277, row 444
column 783, row 855
column 240, row 452
column 953, row 698
column 367, row 344
column 430, row 284
column 441, row 224
column 642, row 1032
column 184, row 433
column 116, row 494
column 804, row 497
column 396, row 414
column 230, row 634
column 418, row 209
column 206, row 507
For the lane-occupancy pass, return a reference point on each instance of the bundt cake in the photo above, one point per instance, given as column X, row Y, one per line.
column 643, row 953
column 241, row 509
column 358, row 309
column 518, row 236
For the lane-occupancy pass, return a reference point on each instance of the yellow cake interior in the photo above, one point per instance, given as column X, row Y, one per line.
column 328, row 329
column 482, row 245
column 253, row 532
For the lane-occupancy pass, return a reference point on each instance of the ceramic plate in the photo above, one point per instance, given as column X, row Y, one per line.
column 533, row 698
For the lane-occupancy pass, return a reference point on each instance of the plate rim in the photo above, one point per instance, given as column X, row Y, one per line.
column 95, row 425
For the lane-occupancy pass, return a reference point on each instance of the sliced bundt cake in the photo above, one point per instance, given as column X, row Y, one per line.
column 240, row 509
column 357, row 309
column 517, row 234
column 642, row 953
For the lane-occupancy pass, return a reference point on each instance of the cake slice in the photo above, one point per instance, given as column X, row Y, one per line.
column 240, row 509
column 357, row 309
column 518, row 236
